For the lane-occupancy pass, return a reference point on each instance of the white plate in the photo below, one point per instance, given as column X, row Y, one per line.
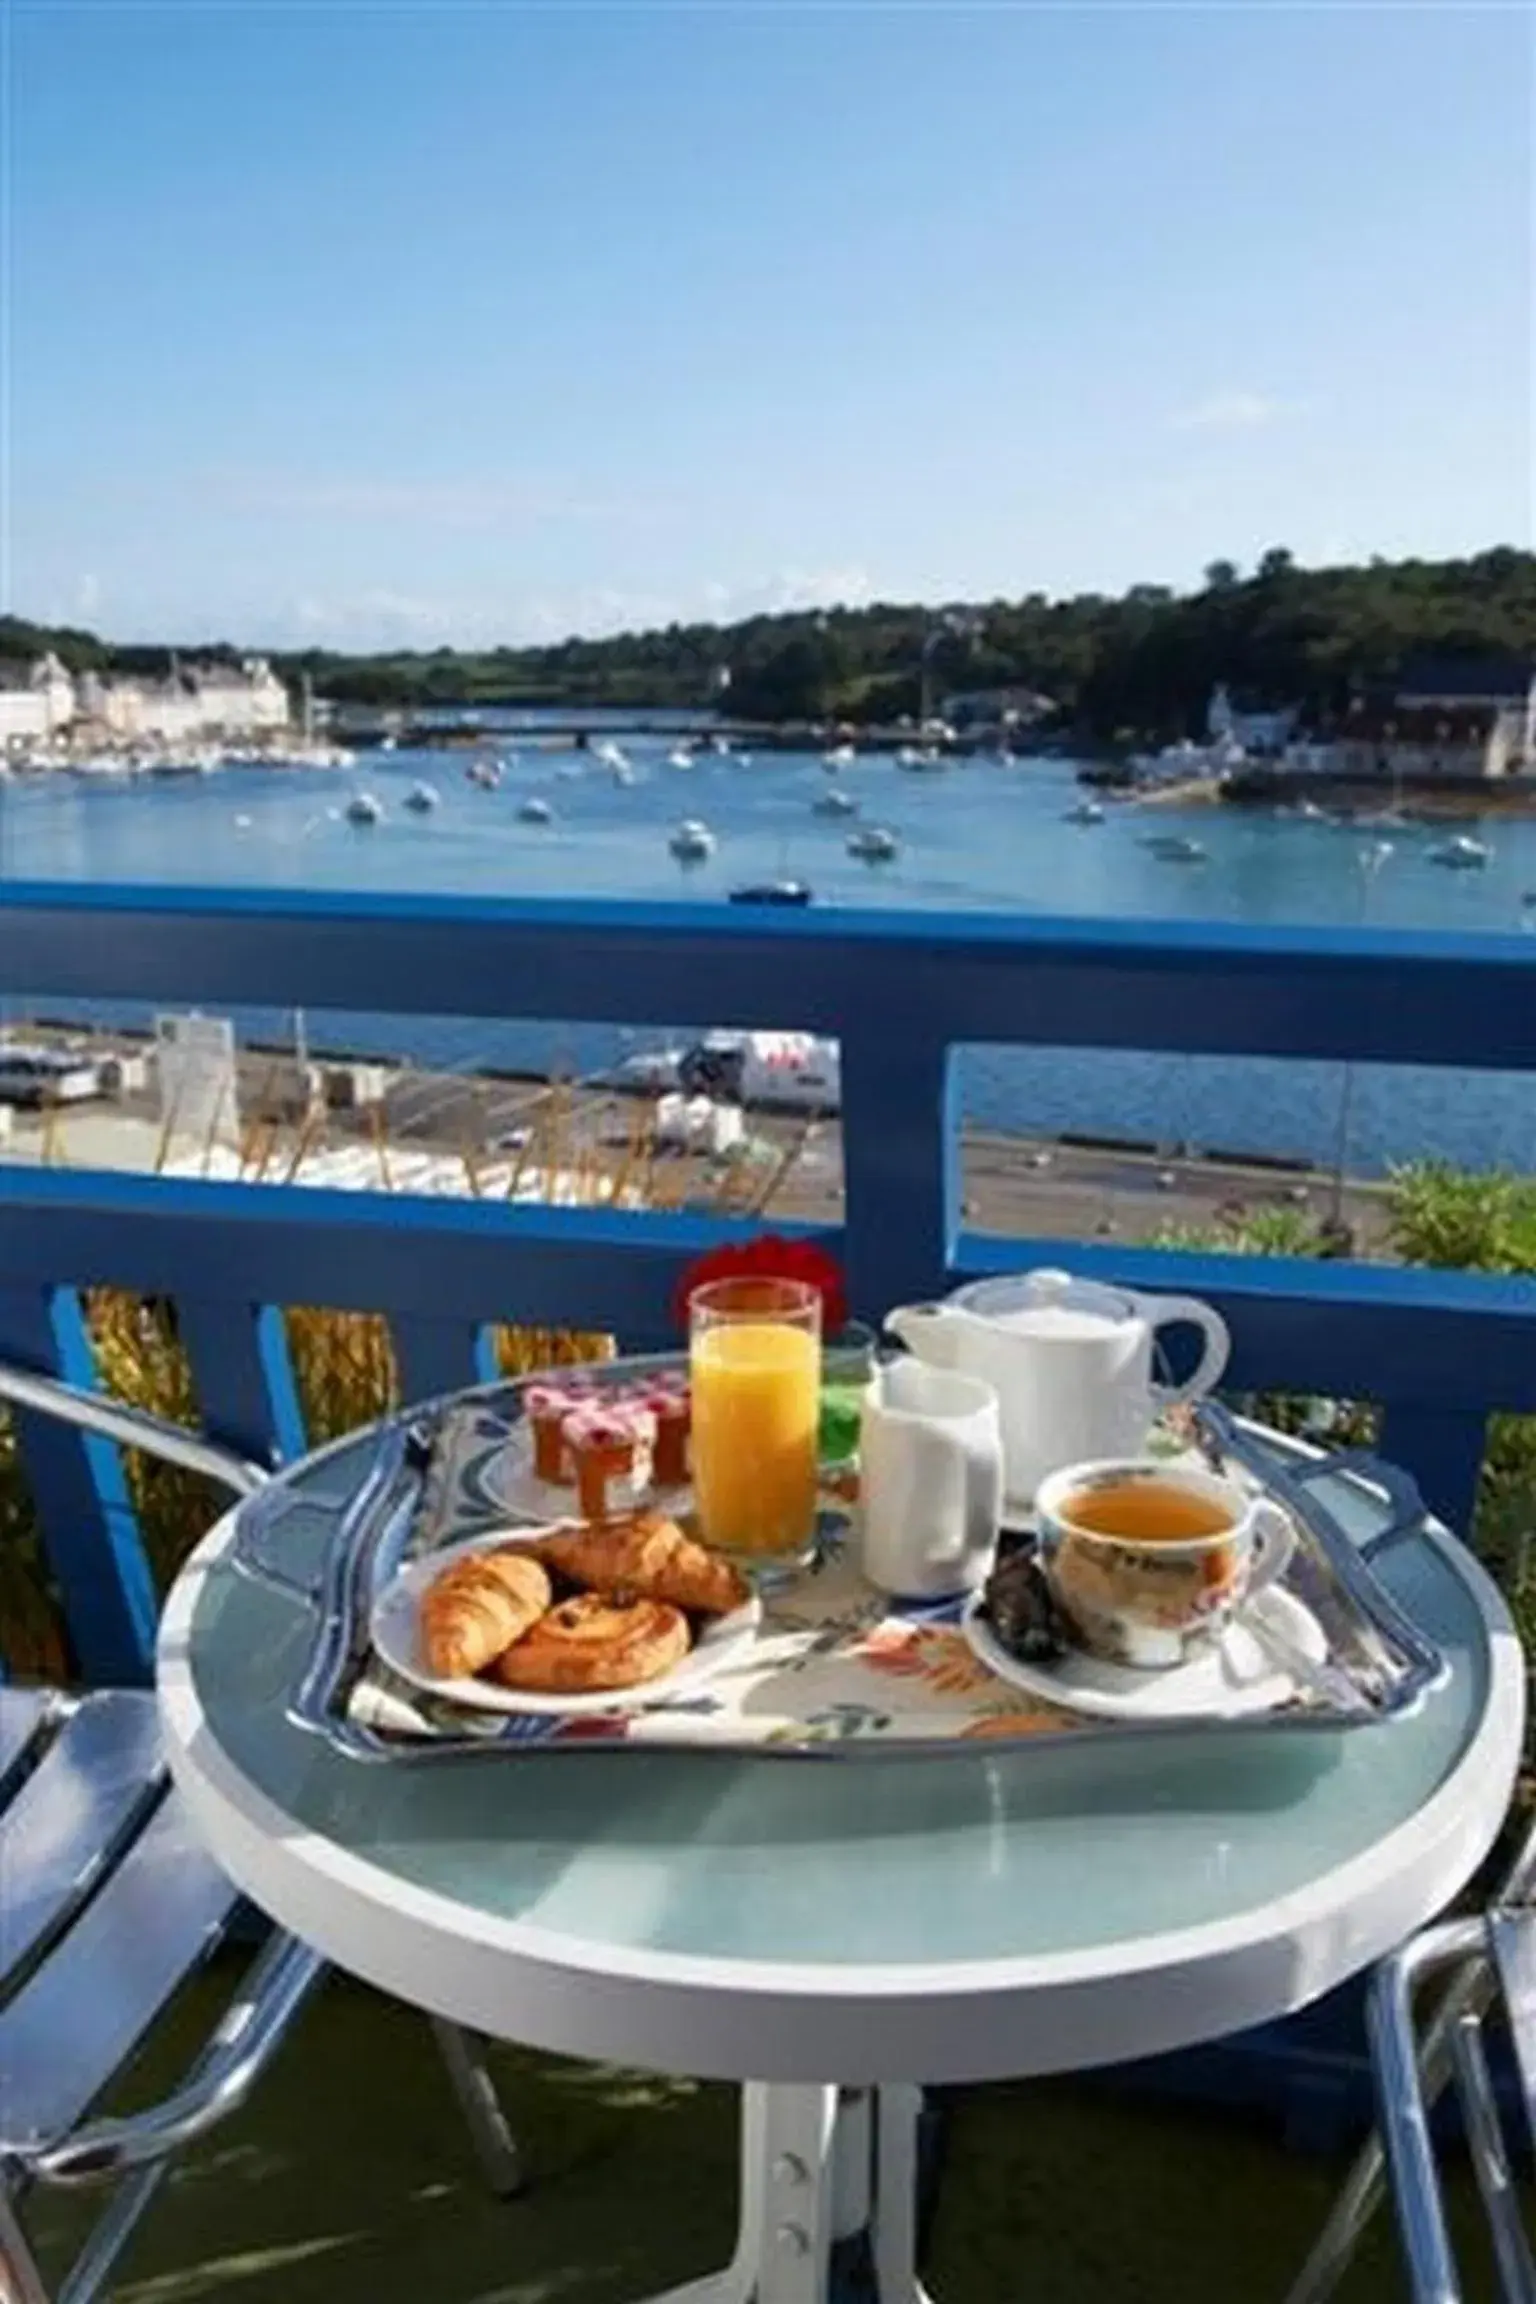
column 514, row 1485
column 1230, row 1680
column 397, row 1609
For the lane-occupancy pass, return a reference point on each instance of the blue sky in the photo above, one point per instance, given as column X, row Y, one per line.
column 420, row 324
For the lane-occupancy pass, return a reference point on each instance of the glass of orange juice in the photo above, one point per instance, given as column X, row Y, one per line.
column 755, row 1369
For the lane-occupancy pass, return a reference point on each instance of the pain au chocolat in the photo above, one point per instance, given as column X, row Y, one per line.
column 587, row 1644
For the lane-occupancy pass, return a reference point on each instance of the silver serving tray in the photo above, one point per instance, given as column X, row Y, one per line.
column 1381, row 1665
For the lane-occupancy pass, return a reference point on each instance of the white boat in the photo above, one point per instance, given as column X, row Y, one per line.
column 835, row 802
column 485, row 773
column 692, row 841
column 422, row 799
column 680, row 757
column 533, row 810
column 908, row 756
column 1461, row 853
column 874, row 844
column 840, row 756
column 1086, row 812
column 1175, row 848
column 621, row 772
column 610, row 756
column 922, row 763
column 363, row 808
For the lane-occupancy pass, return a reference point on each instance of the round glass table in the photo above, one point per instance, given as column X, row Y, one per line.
column 835, row 1933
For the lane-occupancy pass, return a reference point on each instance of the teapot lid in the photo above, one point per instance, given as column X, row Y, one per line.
column 1019, row 1298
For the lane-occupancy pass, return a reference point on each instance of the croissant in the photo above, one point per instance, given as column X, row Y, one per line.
column 646, row 1557
column 588, row 1644
column 478, row 1607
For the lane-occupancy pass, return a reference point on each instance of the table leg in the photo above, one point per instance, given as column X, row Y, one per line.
column 819, row 2164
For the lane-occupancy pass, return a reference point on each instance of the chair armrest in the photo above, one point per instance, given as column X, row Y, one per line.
column 1401, row 2105
column 134, row 1427
column 251, row 2030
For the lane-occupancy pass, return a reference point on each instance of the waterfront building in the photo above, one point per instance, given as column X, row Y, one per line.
column 1265, row 731
column 37, row 701
column 43, row 705
column 192, row 702
column 1457, row 740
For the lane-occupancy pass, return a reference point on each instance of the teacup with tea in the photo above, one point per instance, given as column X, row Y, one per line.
column 1149, row 1562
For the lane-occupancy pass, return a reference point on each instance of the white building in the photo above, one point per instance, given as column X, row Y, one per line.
column 196, row 700
column 35, row 704
column 1267, row 731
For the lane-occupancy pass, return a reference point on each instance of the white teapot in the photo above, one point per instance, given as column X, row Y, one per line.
column 1070, row 1360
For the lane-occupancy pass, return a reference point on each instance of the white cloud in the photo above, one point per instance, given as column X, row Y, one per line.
column 1230, row 412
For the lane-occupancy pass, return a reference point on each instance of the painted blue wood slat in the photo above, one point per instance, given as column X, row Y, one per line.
column 1443, row 1448
column 435, row 1357
column 243, row 1376
column 90, row 1532
column 898, row 1126
column 1374, row 995
column 440, row 1259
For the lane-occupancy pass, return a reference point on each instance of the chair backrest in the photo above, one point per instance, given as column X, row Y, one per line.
column 109, row 1901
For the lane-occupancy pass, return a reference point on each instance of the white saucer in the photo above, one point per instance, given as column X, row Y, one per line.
column 514, row 1486
column 393, row 1632
column 1230, row 1680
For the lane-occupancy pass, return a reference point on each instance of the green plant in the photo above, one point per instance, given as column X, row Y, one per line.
column 1463, row 1221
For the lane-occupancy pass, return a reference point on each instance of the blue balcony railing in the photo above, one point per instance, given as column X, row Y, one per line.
column 1439, row 1350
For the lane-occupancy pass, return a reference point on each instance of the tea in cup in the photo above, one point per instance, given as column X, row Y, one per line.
column 1149, row 1562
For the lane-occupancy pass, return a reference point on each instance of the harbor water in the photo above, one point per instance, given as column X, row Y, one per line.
column 978, row 835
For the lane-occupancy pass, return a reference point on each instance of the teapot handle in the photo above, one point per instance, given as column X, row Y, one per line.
column 1168, row 1311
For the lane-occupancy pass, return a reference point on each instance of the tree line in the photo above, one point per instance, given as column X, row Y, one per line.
column 1140, row 664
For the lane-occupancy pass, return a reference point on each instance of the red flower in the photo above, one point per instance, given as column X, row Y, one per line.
column 770, row 1258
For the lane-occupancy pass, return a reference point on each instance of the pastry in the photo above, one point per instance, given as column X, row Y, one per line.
column 588, row 1644
column 608, row 1445
column 667, row 1401
column 649, row 1557
column 478, row 1607
column 546, row 1407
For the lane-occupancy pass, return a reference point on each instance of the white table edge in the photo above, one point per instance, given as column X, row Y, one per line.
column 736, row 2019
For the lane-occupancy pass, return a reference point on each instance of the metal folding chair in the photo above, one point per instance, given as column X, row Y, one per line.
column 107, row 1904
column 1488, row 1961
